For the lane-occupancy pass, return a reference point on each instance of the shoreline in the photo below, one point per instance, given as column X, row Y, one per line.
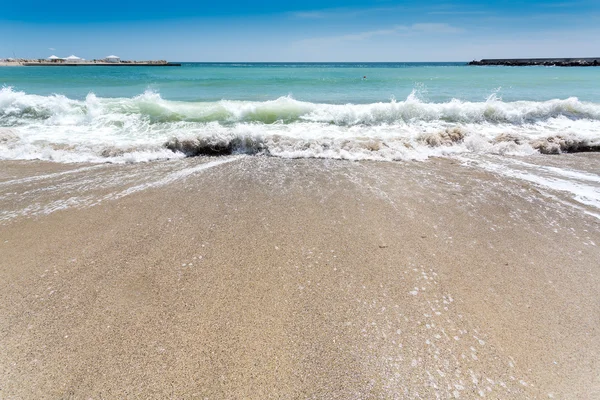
column 37, row 63
column 255, row 277
column 10, row 64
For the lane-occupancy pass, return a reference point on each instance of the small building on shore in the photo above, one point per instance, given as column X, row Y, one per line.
column 73, row 59
column 55, row 59
column 112, row 59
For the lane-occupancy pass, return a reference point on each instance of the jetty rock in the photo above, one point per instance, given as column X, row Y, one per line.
column 556, row 62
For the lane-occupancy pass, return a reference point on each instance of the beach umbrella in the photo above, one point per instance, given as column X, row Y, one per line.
column 53, row 57
column 73, row 58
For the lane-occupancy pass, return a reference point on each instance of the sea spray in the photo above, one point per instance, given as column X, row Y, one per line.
column 147, row 127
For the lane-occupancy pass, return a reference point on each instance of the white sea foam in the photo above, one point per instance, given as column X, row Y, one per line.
column 582, row 187
column 77, row 189
column 149, row 127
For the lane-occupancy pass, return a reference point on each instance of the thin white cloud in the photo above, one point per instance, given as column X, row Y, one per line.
column 457, row 12
column 568, row 4
column 435, row 28
column 51, row 48
column 309, row 14
column 369, row 34
column 421, row 28
column 343, row 12
column 446, row 47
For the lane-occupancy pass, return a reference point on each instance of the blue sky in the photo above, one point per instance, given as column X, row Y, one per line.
column 311, row 30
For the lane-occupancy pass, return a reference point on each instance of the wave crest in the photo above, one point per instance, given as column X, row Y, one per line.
column 147, row 127
column 17, row 107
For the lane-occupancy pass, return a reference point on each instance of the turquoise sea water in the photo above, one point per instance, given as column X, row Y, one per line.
column 336, row 83
column 377, row 111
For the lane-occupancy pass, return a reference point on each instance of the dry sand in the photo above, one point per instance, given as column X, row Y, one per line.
column 271, row 278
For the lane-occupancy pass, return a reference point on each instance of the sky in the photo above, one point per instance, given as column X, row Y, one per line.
column 308, row 30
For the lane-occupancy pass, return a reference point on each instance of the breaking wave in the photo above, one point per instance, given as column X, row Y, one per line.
column 149, row 127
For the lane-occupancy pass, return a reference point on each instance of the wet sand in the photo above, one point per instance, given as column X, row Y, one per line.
column 256, row 277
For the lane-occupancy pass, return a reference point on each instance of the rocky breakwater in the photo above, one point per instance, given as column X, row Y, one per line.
column 557, row 62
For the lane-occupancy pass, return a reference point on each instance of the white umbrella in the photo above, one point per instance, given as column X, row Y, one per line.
column 113, row 59
column 73, row 58
column 53, row 57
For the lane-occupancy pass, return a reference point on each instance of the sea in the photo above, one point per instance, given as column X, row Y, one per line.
column 498, row 118
column 354, row 111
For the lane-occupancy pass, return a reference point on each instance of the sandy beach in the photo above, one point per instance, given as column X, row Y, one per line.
column 10, row 64
column 259, row 277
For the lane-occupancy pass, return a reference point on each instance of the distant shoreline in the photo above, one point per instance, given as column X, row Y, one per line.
column 44, row 63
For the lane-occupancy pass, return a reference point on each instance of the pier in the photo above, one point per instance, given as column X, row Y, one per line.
column 556, row 62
